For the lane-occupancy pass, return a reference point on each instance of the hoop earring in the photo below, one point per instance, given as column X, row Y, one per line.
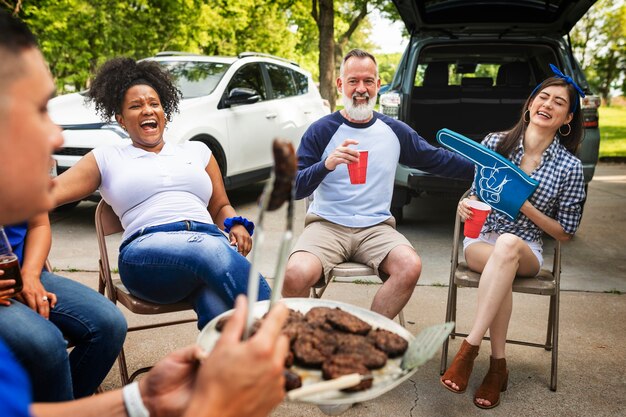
column 569, row 130
column 526, row 113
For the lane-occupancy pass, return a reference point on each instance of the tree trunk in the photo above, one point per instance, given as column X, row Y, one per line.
column 326, row 26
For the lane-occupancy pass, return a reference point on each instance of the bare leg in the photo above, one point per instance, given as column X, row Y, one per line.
column 303, row 271
column 404, row 267
column 499, row 265
column 510, row 256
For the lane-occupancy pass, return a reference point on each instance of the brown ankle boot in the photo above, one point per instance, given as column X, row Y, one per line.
column 461, row 368
column 495, row 382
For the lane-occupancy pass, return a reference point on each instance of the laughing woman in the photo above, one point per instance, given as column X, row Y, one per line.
column 170, row 198
column 543, row 144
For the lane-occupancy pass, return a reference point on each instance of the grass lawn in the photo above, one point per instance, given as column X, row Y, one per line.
column 613, row 131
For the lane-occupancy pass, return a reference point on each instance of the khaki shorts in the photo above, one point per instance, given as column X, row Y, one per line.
column 333, row 244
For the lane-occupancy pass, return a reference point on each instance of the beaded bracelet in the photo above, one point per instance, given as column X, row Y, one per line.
column 231, row 221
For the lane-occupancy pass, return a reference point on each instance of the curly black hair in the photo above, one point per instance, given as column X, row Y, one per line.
column 117, row 75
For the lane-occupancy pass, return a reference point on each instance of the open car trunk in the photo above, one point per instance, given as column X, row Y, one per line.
column 475, row 93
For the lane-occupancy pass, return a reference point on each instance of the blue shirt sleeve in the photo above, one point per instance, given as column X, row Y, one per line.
column 311, row 168
column 15, row 394
column 569, row 211
column 17, row 235
column 416, row 152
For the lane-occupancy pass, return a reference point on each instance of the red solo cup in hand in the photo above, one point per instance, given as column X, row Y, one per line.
column 358, row 170
column 474, row 224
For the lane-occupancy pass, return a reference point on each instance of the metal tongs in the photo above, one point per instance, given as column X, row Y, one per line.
column 277, row 190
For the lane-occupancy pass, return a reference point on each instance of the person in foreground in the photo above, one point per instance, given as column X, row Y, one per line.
column 235, row 379
column 50, row 309
column 172, row 247
column 353, row 222
column 542, row 144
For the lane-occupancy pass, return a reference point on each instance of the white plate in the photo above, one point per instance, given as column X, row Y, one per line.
column 385, row 379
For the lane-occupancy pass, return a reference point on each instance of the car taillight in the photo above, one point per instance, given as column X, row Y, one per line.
column 591, row 102
column 590, row 111
column 390, row 104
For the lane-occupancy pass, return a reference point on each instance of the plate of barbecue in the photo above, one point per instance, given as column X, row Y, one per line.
column 340, row 353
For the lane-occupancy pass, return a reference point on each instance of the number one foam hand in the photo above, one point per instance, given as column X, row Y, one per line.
column 498, row 182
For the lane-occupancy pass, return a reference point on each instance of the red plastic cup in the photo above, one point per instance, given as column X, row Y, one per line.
column 474, row 224
column 358, row 170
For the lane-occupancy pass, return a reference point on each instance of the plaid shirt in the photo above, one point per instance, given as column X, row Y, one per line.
column 559, row 195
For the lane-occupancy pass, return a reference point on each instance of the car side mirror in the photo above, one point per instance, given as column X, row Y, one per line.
column 240, row 95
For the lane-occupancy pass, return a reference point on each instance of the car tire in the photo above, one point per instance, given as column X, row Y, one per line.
column 397, row 213
column 216, row 150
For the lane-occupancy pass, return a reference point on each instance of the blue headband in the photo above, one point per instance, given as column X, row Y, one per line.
column 559, row 74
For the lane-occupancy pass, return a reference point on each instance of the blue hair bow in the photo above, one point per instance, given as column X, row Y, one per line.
column 558, row 74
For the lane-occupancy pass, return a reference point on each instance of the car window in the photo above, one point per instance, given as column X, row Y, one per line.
column 249, row 76
column 302, row 82
column 195, row 78
column 437, row 73
column 282, row 81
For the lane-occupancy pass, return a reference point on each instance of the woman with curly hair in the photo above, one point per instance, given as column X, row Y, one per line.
column 172, row 247
column 543, row 144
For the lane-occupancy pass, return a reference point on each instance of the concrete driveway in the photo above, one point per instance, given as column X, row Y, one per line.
column 591, row 354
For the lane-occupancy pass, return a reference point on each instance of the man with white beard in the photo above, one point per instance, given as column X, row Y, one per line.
column 353, row 222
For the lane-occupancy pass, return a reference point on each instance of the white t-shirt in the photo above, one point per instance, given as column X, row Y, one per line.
column 148, row 189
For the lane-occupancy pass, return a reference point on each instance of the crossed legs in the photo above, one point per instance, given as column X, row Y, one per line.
column 498, row 265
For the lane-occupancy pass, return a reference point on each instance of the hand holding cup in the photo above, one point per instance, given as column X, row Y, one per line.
column 475, row 213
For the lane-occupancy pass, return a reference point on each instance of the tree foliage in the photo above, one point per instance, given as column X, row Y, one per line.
column 77, row 36
column 599, row 40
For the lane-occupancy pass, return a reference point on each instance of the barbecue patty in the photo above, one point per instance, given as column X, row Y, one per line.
column 310, row 351
column 317, row 316
column 390, row 343
column 371, row 357
column 345, row 364
column 347, row 322
column 292, row 380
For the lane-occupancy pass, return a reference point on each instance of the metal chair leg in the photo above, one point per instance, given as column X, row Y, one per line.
column 401, row 318
column 121, row 362
column 550, row 331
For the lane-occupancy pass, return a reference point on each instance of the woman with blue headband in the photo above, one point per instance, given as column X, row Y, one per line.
column 543, row 144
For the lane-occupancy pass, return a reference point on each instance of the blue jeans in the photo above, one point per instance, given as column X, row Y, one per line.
column 92, row 322
column 186, row 260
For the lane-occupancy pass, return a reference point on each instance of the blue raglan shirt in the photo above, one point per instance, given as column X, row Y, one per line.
column 388, row 141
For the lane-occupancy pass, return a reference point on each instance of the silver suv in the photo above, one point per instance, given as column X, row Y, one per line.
column 470, row 65
column 234, row 105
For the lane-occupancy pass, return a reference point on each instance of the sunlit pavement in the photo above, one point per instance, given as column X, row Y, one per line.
column 591, row 354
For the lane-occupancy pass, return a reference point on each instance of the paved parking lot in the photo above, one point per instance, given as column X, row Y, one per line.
column 591, row 354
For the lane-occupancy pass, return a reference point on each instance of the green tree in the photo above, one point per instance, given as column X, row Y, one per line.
column 76, row 36
column 599, row 40
column 337, row 23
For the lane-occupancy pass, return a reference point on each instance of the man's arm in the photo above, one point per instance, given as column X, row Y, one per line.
column 418, row 153
column 237, row 378
column 108, row 404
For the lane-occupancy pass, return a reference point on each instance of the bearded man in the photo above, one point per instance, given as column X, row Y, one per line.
column 353, row 222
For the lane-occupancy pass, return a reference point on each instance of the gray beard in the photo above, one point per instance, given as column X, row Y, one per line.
column 361, row 112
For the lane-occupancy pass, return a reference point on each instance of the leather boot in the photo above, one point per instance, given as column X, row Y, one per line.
column 495, row 382
column 461, row 367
